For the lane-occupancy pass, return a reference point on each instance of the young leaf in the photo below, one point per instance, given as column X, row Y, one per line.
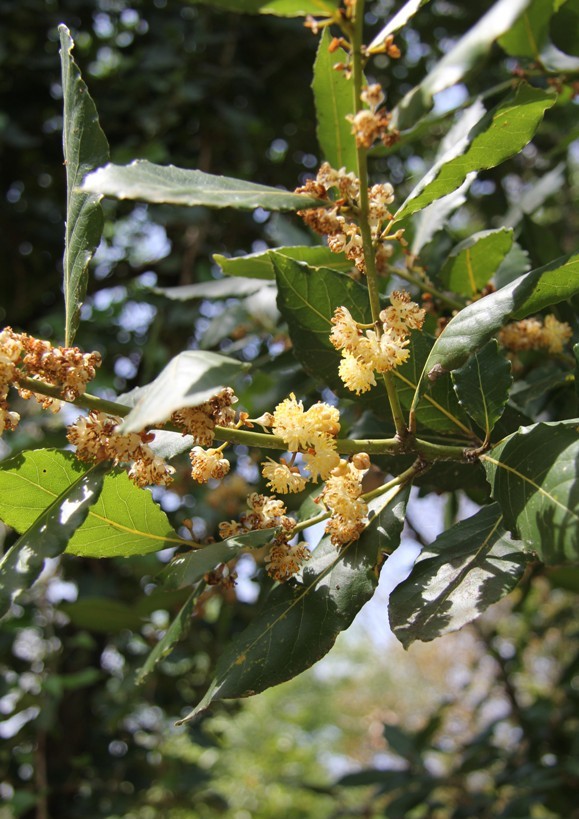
column 467, row 568
column 124, row 521
column 189, row 379
column 479, row 321
column 281, row 8
column 176, row 631
column 186, row 569
column 470, row 50
column 300, row 621
column 146, row 182
column 533, row 476
column 482, row 386
column 85, row 148
column 472, row 263
column 48, row 535
column 397, row 22
column 335, row 99
column 501, row 134
column 260, row 265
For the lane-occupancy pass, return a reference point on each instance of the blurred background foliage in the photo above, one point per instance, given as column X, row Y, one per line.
column 481, row 723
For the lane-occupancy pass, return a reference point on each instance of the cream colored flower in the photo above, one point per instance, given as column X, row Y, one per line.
column 283, row 560
column 356, row 375
column 555, row 334
column 403, row 315
column 283, row 478
column 345, row 333
column 321, row 457
column 208, row 464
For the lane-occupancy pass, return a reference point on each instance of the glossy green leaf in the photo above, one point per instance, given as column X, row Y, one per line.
column 85, row 148
column 470, row 51
column 260, row 265
column 307, row 299
column 189, row 379
column 529, row 34
column 479, row 321
column 165, row 184
column 456, row 578
column 280, row 8
column 300, row 620
column 49, row 534
column 434, row 216
column 501, row 134
column 397, row 22
column 124, row 521
column 334, row 97
column 188, row 568
column 533, row 476
column 482, row 386
column 472, row 263
column 176, row 631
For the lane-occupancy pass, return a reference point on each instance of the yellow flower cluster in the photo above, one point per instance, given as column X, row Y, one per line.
column 339, row 222
column 97, row 439
column 370, row 351
column 311, row 432
column 23, row 356
column 533, row 334
column 342, row 496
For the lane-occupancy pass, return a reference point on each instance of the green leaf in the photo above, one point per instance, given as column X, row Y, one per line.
column 260, row 265
column 529, row 34
column 281, row 8
column 472, row 263
column 483, row 385
column 300, row 620
column 434, row 216
column 189, row 379
column 187, row 569
column 49, row 534
column 501, row 134
column 307, row 298
column 467, row 568
column 471, row 50
column 397, row 22
column 176, row 631
column 334, row 97
column 479, row 321
column 533, row 476
column 85, row 148
column 165, row 184
column 124, row 521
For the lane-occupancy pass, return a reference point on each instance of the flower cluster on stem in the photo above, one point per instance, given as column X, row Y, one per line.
column 23, row 356
column 366, row 351
column 340, row 221
column 97, row 439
